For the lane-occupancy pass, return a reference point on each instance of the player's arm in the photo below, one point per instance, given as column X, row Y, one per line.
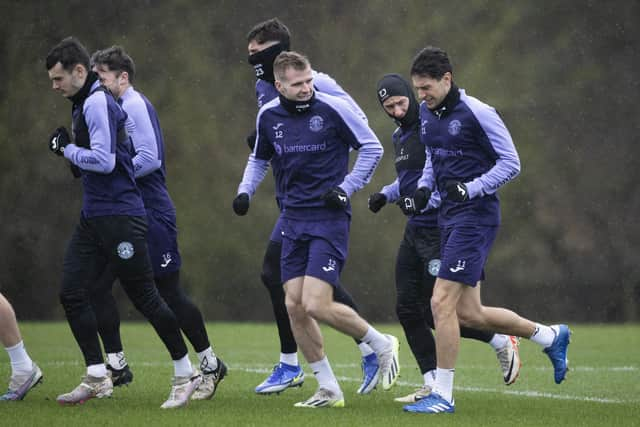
column 507, row 164
column 427, row 179
column 254, row 173
column 101, row 156
column 391, row 191
column 426, row 195
column 357, row 133
column 326, row 84
column 145, row 143
column 255, row 170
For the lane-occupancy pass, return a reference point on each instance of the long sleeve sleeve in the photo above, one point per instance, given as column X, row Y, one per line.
column 100, row 157
column 507, row 165
column 427, row 179
column 254, row 173
column 146, row 159
column 392, row 191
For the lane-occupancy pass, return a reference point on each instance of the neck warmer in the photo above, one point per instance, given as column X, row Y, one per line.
column 297, row 107
column 449, row 101
column 83, row 93
column 263, row 61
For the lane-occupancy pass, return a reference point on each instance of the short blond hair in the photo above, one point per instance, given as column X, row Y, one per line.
column 289, row 59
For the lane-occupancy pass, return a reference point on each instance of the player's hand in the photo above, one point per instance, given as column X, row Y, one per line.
column 251, row 139
column 59, row 140
column 421, row 198
column 335, row 198
column 241, row 204
column 456, row 191
column 376, row 202
column 75, row 171
column 407, row 205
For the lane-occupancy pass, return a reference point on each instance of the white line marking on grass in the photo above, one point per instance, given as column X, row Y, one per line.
column 520, row 393
column 536, row 368
column 524, row 393
column 529, row 393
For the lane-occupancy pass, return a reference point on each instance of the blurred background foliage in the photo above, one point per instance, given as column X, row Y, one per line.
column 563, row 75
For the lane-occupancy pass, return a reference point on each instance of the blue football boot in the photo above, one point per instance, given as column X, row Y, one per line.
column 370, row 373
column 557, row 352
column 282, row 377
column 432, row 404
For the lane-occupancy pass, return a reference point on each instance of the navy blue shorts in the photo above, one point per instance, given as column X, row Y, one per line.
column 162, row 239
column 464, row 252
column 314, row 248
column 276, row 233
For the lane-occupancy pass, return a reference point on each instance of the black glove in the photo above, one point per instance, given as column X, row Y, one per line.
column 421, row 198
column 58, row 140
column 456, row 191
column 251, row 139
column 377, row 201
column 241, row 204
column 407, row 205
column 75, row 171
column 335, row 198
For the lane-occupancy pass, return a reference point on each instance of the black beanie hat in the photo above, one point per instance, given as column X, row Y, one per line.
column 395, row 85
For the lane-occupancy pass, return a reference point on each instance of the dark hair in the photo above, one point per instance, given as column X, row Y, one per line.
column 69, row 52
column 286, row 60
column 431, row 62
column 270, row 30
column 116, row 59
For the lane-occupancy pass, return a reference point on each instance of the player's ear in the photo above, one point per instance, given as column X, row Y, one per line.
column 80, row 70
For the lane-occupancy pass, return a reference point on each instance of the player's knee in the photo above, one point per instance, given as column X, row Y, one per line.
column 73, row 299
column 149, row 303
column 294, row 308
column 173, row 297
column 315, row 308
column 440, row 307
column 469, row 318
column 408, row 312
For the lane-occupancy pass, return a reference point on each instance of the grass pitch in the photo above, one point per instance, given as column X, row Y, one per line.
column 602, row 387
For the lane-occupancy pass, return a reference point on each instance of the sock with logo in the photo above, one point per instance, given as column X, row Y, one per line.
column 208, row 360
column 117, row 360
column 324, row 374
column 430, row 378
column 543, row 335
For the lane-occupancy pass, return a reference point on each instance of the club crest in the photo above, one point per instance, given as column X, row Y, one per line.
column 433, row 267
column 125, row 250
column 454, row 127
column 316, row 123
